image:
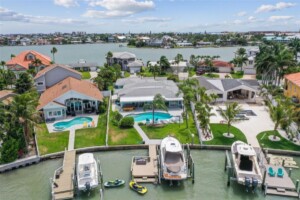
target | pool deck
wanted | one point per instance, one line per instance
(51, 128)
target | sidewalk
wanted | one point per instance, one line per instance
(71, 139)
(144, 136)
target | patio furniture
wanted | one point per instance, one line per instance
(271, 172)
(147, 121)
(128, 108)
(280, 172)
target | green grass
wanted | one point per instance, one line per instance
(89, 137)
(122, 136)
(177, 130)
(86, 75)
(212, 75)
(126, 74)
(237, 75)
(284, 144)
(51, 142)
(219, 139)
(192, 73)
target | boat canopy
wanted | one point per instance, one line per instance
(244, 149)
(173, 146)
(87, 158)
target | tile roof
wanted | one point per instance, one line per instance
(295, 78)
(218, 63)
(70, 83)
(21, 60)
(6, 93)
(47, 69)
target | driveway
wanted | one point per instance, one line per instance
(252, 127)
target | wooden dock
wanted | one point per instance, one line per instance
(145, 168)
(63, 180)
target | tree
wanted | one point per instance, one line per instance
(230, 113)
(239, 61)
(157, 103)
(36, 63)
(9, 150)
(2, 64)
(241, 52)
(164, 63)
(154, 69)
(53, 51)
(24, 83)
(295, 46)
(178, 59)
(109, 55)
(12, 56)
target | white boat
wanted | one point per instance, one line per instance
(245, 163)
(87, 172)
(173, 163)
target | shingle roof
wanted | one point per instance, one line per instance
(123, 55)
(135, 63)
(295, 78)
(203, 82)
(70, 83)
(21, 60)
(47, 69)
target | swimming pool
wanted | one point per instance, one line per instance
(148, 115)
(75, 121)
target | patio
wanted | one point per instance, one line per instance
(52, 129)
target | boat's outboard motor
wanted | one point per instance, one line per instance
(87, 186)
(247, 183)
(254, 184)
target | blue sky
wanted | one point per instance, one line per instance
(110, 16)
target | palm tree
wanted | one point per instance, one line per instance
(154, 69)
(295, 46)
(109, 55)
(2, 64)
(36, 62)
(53, 51)
(241, 51)
(177, 59)
(12, 56)
(239, 61)
(204, 115)
(229, 114)
(157, 103)
(164, 63)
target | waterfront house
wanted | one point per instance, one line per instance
(82, 65)
(70, 96)
(135, 66)
(52, 75)
(178, 67)
(218, 65)
(292, 86)
(122, 58)
(24, 61)
(136, 92)
(230, 89)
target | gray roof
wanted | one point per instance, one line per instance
(123, 55)
(145, 87)
(92, 64)
(208, 85)
(136, 63)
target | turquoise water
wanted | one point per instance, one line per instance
(75, 121)
(149, 115)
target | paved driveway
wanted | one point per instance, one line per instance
(252, 127)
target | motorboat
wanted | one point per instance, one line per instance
(138, 188)
(173, 162)
(87, 172)
(245, 163)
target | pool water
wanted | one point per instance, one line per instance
(75, 121)
(149, 115)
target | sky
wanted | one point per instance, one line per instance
(143, 16)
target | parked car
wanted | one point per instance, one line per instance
(200, 72)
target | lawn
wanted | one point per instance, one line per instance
(212, 75)
(85, 75)
(89, 137)
(177, 130)
(51, 142)
(219, 139)
(126, 74)
(284, 144)
(121, 136)
(237, 75)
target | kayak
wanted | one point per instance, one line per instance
(115, 183)
(138, 188)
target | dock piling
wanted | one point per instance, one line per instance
(290, 172)
(264, 180)
(297, 185)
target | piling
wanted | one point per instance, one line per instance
(290, 172)
(297, 185)
(193, 177)
(266, 189)
(264, 180)
(228, 176)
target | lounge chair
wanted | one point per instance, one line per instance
(280, 172)
(271, 172)
(147, 121)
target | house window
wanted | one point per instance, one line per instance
(250, 62)
(50, 114)
(30, 57)
(54, 113)
(40, 83)
(220, 95)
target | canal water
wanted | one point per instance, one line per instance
(67, 54)
(32, 183)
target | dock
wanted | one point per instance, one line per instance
(63, 180)
(144, 169)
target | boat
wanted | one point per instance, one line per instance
(87, 172)
(138, 188)
(173, 162)
(245, 163)
(115, 183)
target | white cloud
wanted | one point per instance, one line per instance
(66, 3)
(277, 18)
(241, 14)
(119, 8)
(237, 21)
(146, 19)
(9, 15)
(278, 6)
(251, 18)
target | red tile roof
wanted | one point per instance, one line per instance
(218, 63)
(6, 93)
(47, 69)
(295, 78)
(21, 60)
(70, 83)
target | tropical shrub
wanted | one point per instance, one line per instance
(127, 122)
